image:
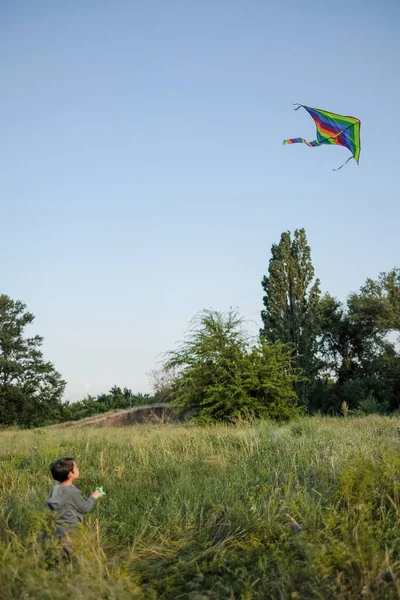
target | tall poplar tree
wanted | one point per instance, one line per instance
(291, 302)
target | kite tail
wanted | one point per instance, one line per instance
(345, 163)
(302, 141)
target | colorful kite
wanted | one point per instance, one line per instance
(333, 129)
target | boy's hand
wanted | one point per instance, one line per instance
(96, 494)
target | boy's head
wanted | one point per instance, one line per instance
(64, 470)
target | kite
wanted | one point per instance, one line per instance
(333, 129)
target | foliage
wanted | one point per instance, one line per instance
(355, 347)
(313, 352)
(369, 406)
(343, 349)
(221, 376)
(291, 300)
(30, 388)
(379, 302)
(93, 405)
(307, 509)
(163, 384)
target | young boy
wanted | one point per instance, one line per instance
(65, 499)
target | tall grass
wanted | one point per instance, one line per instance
(305, 510)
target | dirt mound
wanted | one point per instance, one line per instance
(150, 414)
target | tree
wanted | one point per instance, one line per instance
(115, 399)
(291, 300)
(356, 350)
(221, 376)
(30, 388)
(379, 302)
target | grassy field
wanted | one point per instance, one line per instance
(304, 510)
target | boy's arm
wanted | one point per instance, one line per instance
(83, 506)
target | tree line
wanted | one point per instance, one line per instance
(313, 353)
(347, 350)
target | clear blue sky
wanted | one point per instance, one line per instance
(143, 175)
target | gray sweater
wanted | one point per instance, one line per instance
(67, 501)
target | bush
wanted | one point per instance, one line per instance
(222, 376)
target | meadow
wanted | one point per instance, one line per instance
(308, 509)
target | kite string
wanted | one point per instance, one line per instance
(338, 169)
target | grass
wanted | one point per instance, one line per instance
(304, 510)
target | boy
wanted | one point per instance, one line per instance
(65, 499)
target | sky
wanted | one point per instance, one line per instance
(143, 175)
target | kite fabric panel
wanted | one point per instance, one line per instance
(333, 129)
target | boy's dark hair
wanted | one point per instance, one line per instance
(61, 467)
